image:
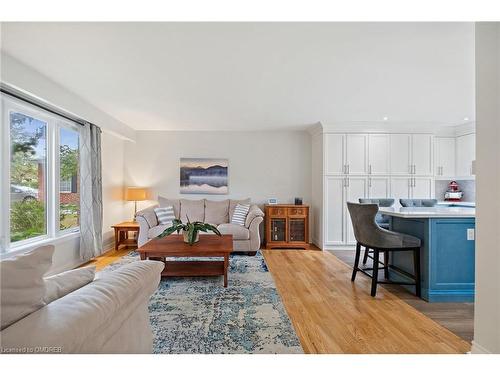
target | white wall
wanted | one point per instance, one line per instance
(66, 254)
(261, 164)
(113, 180)
(487, 300)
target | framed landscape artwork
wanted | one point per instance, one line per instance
(203, 176)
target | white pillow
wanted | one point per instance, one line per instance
(59, 285)
(22, 288)
(240, 214)
(165, 215)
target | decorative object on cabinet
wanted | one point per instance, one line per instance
(298, 201)
(272, 201)
(203, 176)
(287, 226)
(453, 193)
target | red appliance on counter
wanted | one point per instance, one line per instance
(453, 193)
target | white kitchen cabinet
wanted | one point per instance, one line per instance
(421, 150)
(378, 187)
(378, 154)
(334, 210)
(421, 188)
(356, 159)
(334, 154)
(400, 154)
(356, 187)
(466, 153)
(444, 157)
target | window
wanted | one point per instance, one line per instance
(40, 175)
(28, 187)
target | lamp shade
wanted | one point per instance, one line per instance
(135, 194)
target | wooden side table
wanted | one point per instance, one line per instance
(122, 234)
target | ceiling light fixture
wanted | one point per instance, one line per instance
(385, 118)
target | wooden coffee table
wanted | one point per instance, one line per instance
(174, 246)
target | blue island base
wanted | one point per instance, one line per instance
(447, 257)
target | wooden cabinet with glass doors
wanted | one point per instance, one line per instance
(287, 226)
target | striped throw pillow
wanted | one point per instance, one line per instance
(240, 214)
(165, 215)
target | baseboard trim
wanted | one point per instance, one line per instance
(478, 349)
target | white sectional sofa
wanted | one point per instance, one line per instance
(108, 314)
(218, 213)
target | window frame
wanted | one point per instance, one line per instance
(52, 189)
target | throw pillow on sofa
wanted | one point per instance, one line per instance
(240, 214)
(165, 215)
(59, 285)
(22, 286)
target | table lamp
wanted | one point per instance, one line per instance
(135, 194)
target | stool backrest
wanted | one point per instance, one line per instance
(418, 202)
(382, 202)
(363, 221)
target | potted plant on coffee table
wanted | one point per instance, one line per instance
(190, 230)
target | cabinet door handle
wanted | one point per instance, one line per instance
(347, 170)
(369, 182)
(344, 169)
(410, 167)
(369, 169)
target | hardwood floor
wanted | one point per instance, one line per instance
(332, 315)
(457, 317)
(108, 257)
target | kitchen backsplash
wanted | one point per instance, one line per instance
(468, 187)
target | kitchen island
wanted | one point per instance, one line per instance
(447, 253)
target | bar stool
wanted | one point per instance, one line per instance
(372, 236)
(418, 202)
(382, 221)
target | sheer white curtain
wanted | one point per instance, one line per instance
(90, 192)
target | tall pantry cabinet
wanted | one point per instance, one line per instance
(363, 165)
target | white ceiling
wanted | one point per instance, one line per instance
(249, 76)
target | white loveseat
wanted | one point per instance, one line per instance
(218, 213)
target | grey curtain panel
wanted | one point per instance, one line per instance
(90, 192)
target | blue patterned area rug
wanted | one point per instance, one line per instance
(199, 315)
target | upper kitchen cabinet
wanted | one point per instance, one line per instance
(466, 153)
(421, 147)
(400, 154)
(356, 154)
(378, 154)
(334, 154)
(411, 154)
(444, 157)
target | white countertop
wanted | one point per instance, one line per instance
(457, 203)
(429, 212)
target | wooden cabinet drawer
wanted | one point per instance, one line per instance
(299, 211)
(277, 211)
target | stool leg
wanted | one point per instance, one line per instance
(365, 257)
(416, 261)
(375, 272)
(386, 265)
(356, 261)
